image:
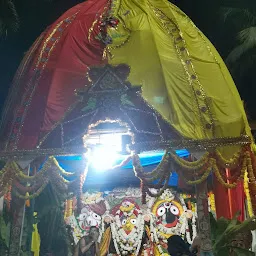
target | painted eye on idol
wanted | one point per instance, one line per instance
(123, 221)
(96, 216)
(161, 211)
(174, 210)
(133, 221)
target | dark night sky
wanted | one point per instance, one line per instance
(36, 15)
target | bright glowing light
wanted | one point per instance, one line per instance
(103, 158)
(113, 140)
(105, 148)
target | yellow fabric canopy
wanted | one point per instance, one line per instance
(182, 75)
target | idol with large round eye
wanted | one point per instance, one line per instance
(133, 221)
(123, 222)
(96, 216)
(161, 211)
(174, 210)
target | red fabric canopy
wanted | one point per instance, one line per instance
(54, 67)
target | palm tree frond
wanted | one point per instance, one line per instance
(246, 63)
(245, 16)
(235, 54)
(9, 20)
(250, 15)
(228, 12)
(247, 38)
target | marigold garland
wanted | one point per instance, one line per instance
(229, 163)
(203, 178)
(221, 180)
(195, 172)
(195, 165)
(212, 201)
(247, 194)
(51, 172)
(31, 196)
(68, 208)
(61, 170)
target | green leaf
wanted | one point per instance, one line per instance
(227, 231)
(219, 235)
(247, 225)
(242, 252)
(214, 227)
(224, 251)
(233, 222)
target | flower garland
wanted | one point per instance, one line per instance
(232, 163)
(68, 208)
(12, 175)
(127, 243)
(48, 166)
(162, 172)
(212, 202)
(155, 236)
(247, 193)
(220, 179)
(196, 172)
(189, 238)
(182, 228)
(30, 196)
(252, 180)
(192, 166)
(155, 174)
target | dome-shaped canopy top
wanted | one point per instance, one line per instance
(183, 78)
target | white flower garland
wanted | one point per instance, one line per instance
(154, 235)
(181, 229)
(127, 243)
(185, 227)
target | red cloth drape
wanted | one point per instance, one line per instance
(59, 66)
(221, 199)
(229, 201)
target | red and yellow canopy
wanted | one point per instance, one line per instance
(182, 75)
